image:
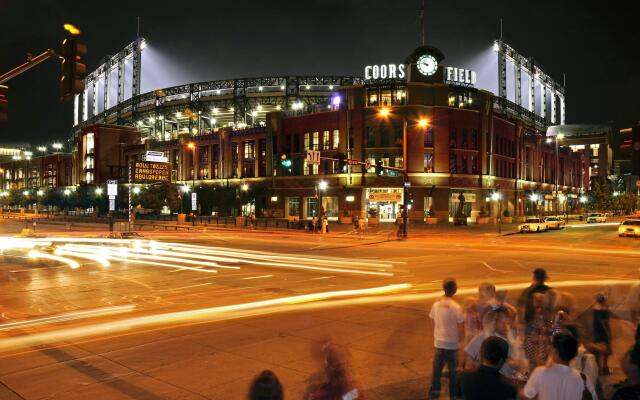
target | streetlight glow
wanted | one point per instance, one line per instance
(191, 145)
(495, 196)
(136, 190)
(423, 122)
(244, 187)
(25, 193)
(98, 191)
(323, 185)
(560, 136)
(185, 189)
(42, 148)
(583, 199)
(57, 146)
(549, 140)
(384, 112)
(534, 197)
(66, 192)
(40, 192)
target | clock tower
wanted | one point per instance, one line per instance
(424, 65)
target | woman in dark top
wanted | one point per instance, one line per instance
(602, 332)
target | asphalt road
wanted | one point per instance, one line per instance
(164, 321)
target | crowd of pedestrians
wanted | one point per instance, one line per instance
(489, 353)
(492, 350)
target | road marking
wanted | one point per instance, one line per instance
(256, 277)
(322, 277)
(494, 269)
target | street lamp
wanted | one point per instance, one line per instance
(40, 192)
(98, 191)
(57, 146)
(42, 148)
(66, 192)
(135, 190)
(384, 112)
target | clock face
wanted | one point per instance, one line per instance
(427, 65)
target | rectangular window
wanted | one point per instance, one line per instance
(465, 164)
(336, 138)
(294, 206)
(312, 207)
(215, 158)
(310, 169)
(428, 137)
(384, 136)
(453, 167)
(203, 155)
(474, 139)
(398, 135)
(453, 138)
(474, 164)
(428, 162)
(385, 97)
(325, 140)
(372, 97)
(249, 159)
(307, 143)
(399, 162)
(399, 97)
(316, 141)
(464, 138)
(371, 137)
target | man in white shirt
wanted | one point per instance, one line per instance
(557, 380)
(448, 318)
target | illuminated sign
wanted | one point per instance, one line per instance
(155, 156)
(147, 171)
(384, 71)
(460, 76)
(377, 197)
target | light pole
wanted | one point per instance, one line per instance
(384, 112)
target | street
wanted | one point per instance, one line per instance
(190, 315)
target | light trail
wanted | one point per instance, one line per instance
(192, 257)
(71, 316)
(38, 254)
(97, 258)
(198, 315)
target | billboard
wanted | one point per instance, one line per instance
(149, 171)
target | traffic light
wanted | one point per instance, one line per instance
(379, 167)
(73, 70)
(4, 103)
(342, 163)
(284, 161)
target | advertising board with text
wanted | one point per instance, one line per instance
(150, 172)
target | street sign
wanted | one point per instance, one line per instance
(194, 201)
(112, 204)
(313, 157)
(112, 187)
(155, 156)
(353, 162)
(367, 164)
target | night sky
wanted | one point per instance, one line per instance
(593, 42)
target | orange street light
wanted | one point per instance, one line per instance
(71, 29)
(423, 122)
(191, 145)
(384, 112)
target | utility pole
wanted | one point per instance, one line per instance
(405, 181)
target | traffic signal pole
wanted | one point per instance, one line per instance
(31, 62)
(405, 180)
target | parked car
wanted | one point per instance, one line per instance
(596, 217)
(630, 227)
(555, 222)
(533, 225)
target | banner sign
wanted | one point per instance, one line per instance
(146, 171)
(194, 201)
(378, 197)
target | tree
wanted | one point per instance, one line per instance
(155, 197)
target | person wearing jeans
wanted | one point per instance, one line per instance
(448, 319)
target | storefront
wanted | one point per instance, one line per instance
(384, 202)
